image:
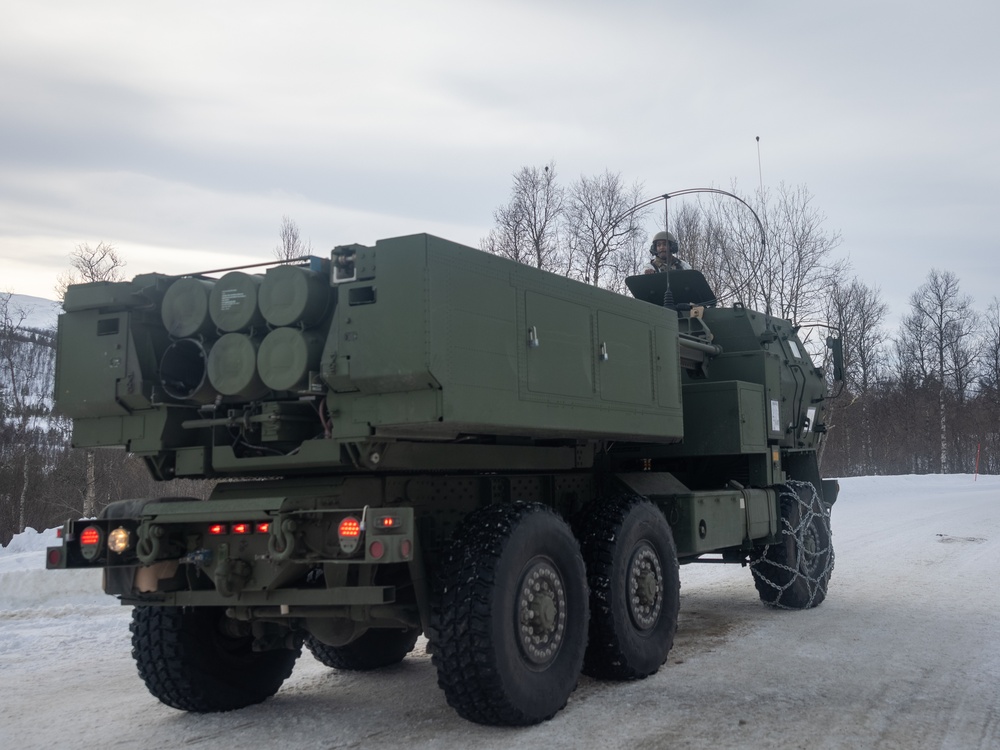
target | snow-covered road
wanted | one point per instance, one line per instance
(904, 653)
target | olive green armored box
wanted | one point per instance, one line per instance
(416, 339)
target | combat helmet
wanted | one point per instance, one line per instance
(672, 244)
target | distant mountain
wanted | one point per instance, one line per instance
(41, 313)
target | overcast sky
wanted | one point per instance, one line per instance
(182, 132)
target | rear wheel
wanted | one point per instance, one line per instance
(373, 650)
(510, 616)
(795, 572)
(634, 584)
(200, 660)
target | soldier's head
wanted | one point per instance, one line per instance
(664, 245)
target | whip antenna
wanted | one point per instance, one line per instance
(760, 173)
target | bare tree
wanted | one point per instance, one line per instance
(692, 230)
(16, 416)
(790, 276)
(987, 398)
(935, 346)
(603, 232)
(26, 370)
(290, 244)
(858, 313)
(527, 226)
(101, 263)
(990, 348)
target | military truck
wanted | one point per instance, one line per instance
(418, 437)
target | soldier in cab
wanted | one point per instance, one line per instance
(664, 250)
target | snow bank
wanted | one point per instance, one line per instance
(26, 584)
(29, 540)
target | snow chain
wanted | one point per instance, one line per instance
(805, 545)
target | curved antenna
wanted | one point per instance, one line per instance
(665, 197)
(690, 191)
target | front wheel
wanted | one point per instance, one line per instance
(510, 616)
(794, 573)
(198, 659)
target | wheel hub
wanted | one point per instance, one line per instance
(811, 553)
(645, 587)
(541, 612)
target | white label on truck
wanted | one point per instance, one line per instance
(231, 298)
(775, 416)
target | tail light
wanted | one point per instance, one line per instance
(90, 542)
(349, 532)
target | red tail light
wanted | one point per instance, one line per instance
(242, 528)
(349, 531)
(90, 536)
(90, 543)
(217, 529)
(263, 528)
(349, 528)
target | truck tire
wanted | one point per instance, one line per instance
(373, 650)
(189, 661)
(509, 616)
(795, 572)
(634, 581)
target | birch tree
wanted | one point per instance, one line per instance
(26, 372)
(290, 243)
(527, 226)
(936, 346)
(603, 232)
(791, 274)
(858, 313)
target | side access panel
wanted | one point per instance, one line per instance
(722, 418)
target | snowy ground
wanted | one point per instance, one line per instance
(904, 653)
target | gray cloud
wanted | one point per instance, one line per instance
(187, 128)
